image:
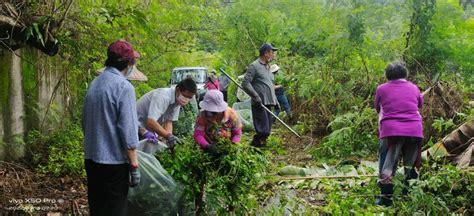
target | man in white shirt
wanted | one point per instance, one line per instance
(159, 108)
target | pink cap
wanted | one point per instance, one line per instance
(122, 49)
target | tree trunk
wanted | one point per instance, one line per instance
(5, 61)
(49, 83)
(15, 143)
(2, 145)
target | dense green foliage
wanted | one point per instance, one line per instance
(226, 180)
(353, 134)
(59, 152)
(440, 190)
(332, 53)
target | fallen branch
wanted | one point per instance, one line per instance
(325, 177)
(10, 21)
(9, 164)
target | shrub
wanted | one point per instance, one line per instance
(187, 117)
(440, 190)
(353, 134)
(226, 180)
(59, 152)
(141, 89)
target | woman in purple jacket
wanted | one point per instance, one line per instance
(400, 128)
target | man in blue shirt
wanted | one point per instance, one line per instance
(110, 126)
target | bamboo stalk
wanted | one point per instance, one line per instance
(325, 177)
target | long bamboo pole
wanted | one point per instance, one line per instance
(264, 107)
(325, 177)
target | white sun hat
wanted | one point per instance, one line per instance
(274, 68)
(213, 101)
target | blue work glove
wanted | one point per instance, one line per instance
(150, 137)
(134, 177)
(172, 141)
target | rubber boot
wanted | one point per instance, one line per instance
(256, 143)
(385, 198)
(264, 142)
(259, 141)
(411, 174)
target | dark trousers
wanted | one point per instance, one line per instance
(262, 122)
(225, 95)
(391, 150)
(107, 188)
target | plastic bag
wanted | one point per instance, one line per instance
(157, 193)
(246, 119)
(241, 95)
(242, 105)
(245, 114)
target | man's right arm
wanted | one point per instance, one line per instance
(156, 127)
(157, 107)
(247, 82)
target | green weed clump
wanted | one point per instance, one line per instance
(354, 134)
(59, 152)
(216, 183)
(440, 190)
(187, 117)
(351, 197)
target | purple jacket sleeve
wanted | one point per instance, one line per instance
(236, 135)
(200, 139)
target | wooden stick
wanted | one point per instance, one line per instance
(426, 91)
(324, 177)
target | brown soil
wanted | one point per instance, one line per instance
(297, 149)
(25, 192)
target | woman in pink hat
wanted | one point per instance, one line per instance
(216, 120)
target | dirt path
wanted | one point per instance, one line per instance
(282, 197)
(297, 149)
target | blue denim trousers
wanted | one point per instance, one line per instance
(284, 104)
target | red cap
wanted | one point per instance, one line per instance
(122, 49)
